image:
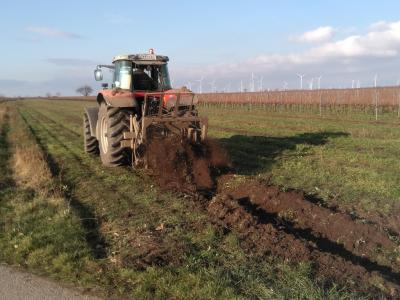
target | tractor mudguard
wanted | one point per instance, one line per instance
(92, 113)
(117, 98)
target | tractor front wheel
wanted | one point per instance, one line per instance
(112, 123)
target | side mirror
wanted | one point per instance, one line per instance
(98, 74)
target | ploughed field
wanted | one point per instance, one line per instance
(275, 205)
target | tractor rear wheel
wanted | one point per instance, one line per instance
(90, 143)
(112, 123)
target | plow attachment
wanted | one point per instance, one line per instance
(164, 115)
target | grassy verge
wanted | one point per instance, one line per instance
(68, 217)
(38, 228)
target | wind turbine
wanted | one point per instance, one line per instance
(285, 85)
(311, 83)
(301, 80)
(352, 84)
(260, 87)
(319, 81)
(200, 81)
(189, 85)
(241, 86)
(376, 79)
(252, 82)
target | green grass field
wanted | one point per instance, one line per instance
(99, 228)
(350, 158)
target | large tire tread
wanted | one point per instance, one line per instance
(118, 123)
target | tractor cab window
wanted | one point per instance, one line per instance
(164, 78)
(142, 78)
(151, 78)
(123, 74)
(128, 76)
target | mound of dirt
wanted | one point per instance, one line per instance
(185, 167)
(295, 228)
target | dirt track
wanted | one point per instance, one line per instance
(18, 285)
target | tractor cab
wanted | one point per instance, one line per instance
(142, 81)
(138, 72)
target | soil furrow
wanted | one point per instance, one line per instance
(295, 211)
(262, 234)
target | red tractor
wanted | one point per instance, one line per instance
(139, 105)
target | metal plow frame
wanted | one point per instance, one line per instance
(177, 122)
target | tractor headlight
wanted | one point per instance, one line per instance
(169, 101)
(185, 99)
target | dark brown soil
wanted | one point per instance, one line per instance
(289, 225)
(183, 166)
(389, 223)
(302, 212)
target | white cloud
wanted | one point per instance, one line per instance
(52, 32)
(381, 42)
(379, 26)
(319, 35)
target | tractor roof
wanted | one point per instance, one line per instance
(143, 59)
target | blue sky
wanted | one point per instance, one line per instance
(54, 46)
